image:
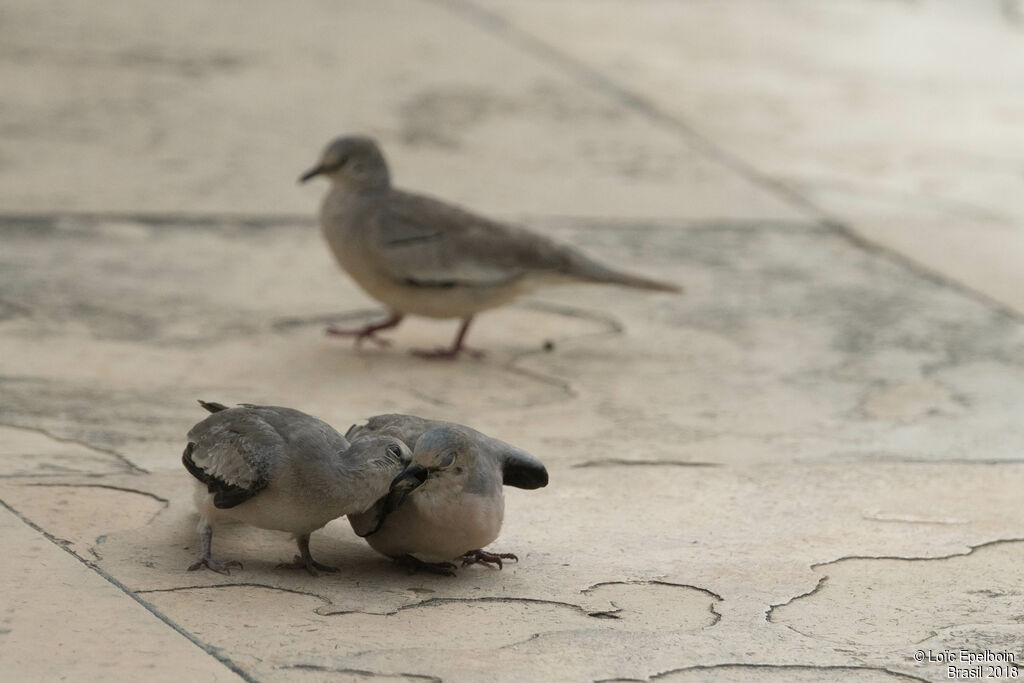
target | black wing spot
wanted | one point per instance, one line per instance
(225, 495)
(416, 239)
(447, 284)
(524, 475)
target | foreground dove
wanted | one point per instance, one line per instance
(422, 256)
(278, 468)
(448, 502)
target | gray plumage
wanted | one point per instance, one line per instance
(422, 256)
(459, 506)
(279, 468)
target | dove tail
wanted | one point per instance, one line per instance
(212, 407)
(592, 271)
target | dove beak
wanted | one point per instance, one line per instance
(311, 173)
(413, 471)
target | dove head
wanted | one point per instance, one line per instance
(353, 161)
(444, 455)
(386, 451)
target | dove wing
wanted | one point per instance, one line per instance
(424, 242)
(233, 452)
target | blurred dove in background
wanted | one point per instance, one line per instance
(278, 468)
(422, 256)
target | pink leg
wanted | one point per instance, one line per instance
(205, 559)
(455, 349)
(368, 331)
(305, 560)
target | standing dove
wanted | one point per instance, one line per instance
(278, 468)
(448, 502)
(422, 256)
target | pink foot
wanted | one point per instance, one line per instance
(214, 565)
(484, 557)
(367, 331)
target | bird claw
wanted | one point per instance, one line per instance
(484, 557)
(414, 564)
(309, 565)
(368, 331)
(213, 565)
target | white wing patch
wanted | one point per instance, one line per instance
(235, 446)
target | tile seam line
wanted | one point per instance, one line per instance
(591, 77)
(580, 71)
(208, 649)
(214, 218)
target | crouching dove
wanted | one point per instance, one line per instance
(448, 502)
(278, 468)
(422, 256)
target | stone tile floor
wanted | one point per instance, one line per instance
(806, 468)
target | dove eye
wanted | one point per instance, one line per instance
(448, 459)
(394, 450)
(331, 166)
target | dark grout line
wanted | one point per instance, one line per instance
(579, 70)
(121, 458)
(936, 277)
(209, 649)
(303, 221)
(497, 25)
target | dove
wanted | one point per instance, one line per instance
(279, 468)
(448, 503)
(422, 256)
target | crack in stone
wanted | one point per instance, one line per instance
(550, 380)
(434, 602)
(817, 587)
(516, 644)
(360, 672)
(621, 462)
(789, 667)
(641, 582)
(124, 489)
(243, 584)
(290, 323)
(287, 324)
(214, 652)
(652, 582)
(111, 487)
(971, 550)
(824, 579)
(132, 467)
(611, 324)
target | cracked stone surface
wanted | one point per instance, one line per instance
(808, 468)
